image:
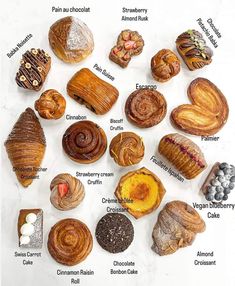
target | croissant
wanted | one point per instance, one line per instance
(67, 192)
(26, 146)
(176, 227)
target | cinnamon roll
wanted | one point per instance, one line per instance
(69, 241)
(67, 192)
(84, 142)
(127, 149)
(145, 107)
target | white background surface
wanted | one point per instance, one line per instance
(167, 19)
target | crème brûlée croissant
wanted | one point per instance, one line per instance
(26, 146)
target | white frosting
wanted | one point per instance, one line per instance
(31, 218)
(24, 239)
(27, 229)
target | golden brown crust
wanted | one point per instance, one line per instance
(69, 241)
(164, 65)
(71, 40)
(140, 191)
(26, 146)
(183, 153)
(51, 104)
(208, 112)
(176, 227)
(88, 89)
(127, 149)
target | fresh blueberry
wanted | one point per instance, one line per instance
(211, 189)
(232, 179)
(215, 182)
(227, 191)
(225, 197)
(226, 171)
(219, 189)
(209, 197)
(221, 179)
(223, 165)
(220, 173)
(225, 184)
(227, 177)
(231, 186)
(219, 196)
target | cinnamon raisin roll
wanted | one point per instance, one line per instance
(127, 149)
(69, 241)
(146, 107)
(84, 142)
(67, 192)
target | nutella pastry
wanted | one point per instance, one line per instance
(184, 155)
(34, 67)
(84, 142)
(67, 192)
(129, 43)
(88, 89)
(114, 232)
(140, 192)
(145, 107)
(71, 40)
(219, 182)
(208, 112)
(164, 65)
(69, 241)
(51, 104)
(26, 146)
(177, 226)
(127, 149)
(193, 50)
(30, 228)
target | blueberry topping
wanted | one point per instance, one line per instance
(209, 197)
(231, 186)
(221, 179)
(226, 171)
(223, 165)
(219, 189)
(220, 173)
(219, 196)
(232, 179)
(215, 182)
(225, 197)
(225, 184)
(227, 191)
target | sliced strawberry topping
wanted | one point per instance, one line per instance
(63, 190)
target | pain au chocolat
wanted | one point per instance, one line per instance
(208, 112)
(183, 153)
(140, 192)
(71, 40)
(193, 49)
(88, 89)
(176, 227)
(26, 146)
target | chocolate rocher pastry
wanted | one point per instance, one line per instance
(208, 112)
(114, 232)
(183, 153)
(164, 65)
(193, 49)
(71, 40)
(145, 107)
(26, 146)
(140, 192)
(69, 241)
(127, 149)
(67, 192)
(30, 228)
(88, 89)
(176, 227)
(51, 104)
(84, 142)
(129, 43)
(34, 67)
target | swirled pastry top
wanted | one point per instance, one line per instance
(69, 241)
(145, 107)
(67, 192)
(71, 40)
(127, 148)
(84, 142)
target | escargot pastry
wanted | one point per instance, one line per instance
(71, 40)
(176, 227)
(140, 192)
(127, 149)
(67, 192)
(84, 142)
(88, 89)
(164, 65)
(129, 43)
(145, 107)
(208, 112)
(34, 67)
(193, 49)
(69, 241)
(183, 153)
(51, 104)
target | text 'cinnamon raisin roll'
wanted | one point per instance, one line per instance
(145, 107)
(84, 142)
